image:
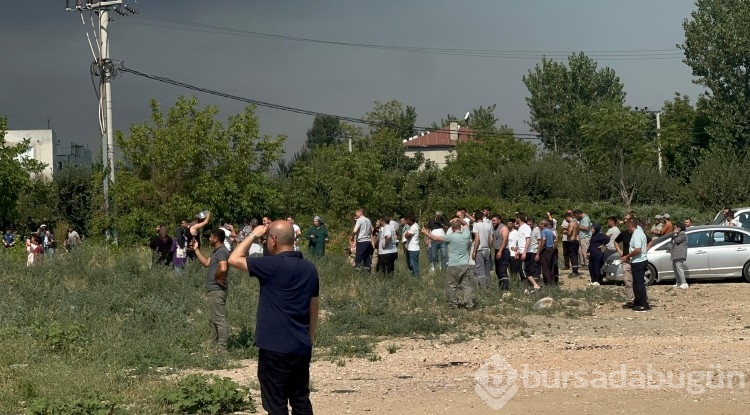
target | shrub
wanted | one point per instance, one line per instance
(204, 394)
(89, 404)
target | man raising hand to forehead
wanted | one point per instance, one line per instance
(287, 317)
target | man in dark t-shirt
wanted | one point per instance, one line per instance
(161, 245)
(287, 317)
(216, 286)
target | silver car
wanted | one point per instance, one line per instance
(714, 251)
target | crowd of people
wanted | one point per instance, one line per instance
(178, 250)
(41, 243)
(469, 246)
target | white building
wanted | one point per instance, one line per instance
(46, 148)
(436, 146)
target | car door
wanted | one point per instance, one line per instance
(729, 253)
(696, 263)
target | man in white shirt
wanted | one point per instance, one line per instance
(612, 232)
(362, 235)
(481, 252)
(297, 231)
(387, 250)
(527, 258)
(412, 237)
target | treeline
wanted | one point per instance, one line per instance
(596, 153)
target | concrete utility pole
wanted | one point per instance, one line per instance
(105, 69)
(658, 140)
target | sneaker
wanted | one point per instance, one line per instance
(641, 308)
(595, 284)
(432, 269)
(683, 286)
(628, 305)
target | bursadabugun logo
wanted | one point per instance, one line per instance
(496, 382)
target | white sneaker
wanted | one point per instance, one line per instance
(432, 269)
(595, 284)
(684, 286)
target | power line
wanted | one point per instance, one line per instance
(635, 54)
(121, 67)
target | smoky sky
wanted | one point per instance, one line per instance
(44, 73)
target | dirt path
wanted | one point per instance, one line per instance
(705, 328)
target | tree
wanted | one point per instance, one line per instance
(74, 192)
(615, 140)
(325, 131)
(15, 174)
(561, 97)
(683, 136)
(717, 48)
(186, 161)
(390, 123)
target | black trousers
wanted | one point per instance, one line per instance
(284, 379)
(501, 269)
(639, 283)
(363, 256)
(547, 256)
(387, 263)
(566, 257)
(573, 247)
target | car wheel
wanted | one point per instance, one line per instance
(651, 275)
(746, 271)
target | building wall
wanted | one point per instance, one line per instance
(439, 156)
(43, 147)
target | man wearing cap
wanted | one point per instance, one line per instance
(657, 227)
(668, 228)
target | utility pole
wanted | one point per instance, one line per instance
(105, 69)
(658, 140)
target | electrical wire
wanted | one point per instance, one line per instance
(637, 54)
(121, 67)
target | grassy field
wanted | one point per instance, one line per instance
(102, 324)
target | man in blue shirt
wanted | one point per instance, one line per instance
(638, 260)
(287, 317)
(546, 252)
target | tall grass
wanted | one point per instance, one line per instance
(104, 320)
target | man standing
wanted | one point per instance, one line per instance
(584, 237)
(216, 286)
(437, 226)
(547, 253)
(627, 272)
(612, 233)
(412, 238)
(73, 239)
(161, 246)
(386, 246)
(638, 260)
(362, 235)
(297, 231)
(459, 275)
(480, 252)
(526, 258)
(287, 317)
(565, 244)
(573, 243)
(502, 254)
(668, 228)
(657, 227)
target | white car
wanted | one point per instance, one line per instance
(741, 214)
(714, 252)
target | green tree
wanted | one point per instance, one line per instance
(683, 136)
(717, 48)
(390, 123)
(186, 160)
(15, 174)
(561, 98)
(615, 141)
(73, 190)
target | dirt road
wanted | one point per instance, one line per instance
(702, 333)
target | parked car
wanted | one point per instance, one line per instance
(714, 251)
(741, 214)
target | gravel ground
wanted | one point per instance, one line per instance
(705, 329)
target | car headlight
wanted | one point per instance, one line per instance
(616, 262)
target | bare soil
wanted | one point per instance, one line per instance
(704, 328)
